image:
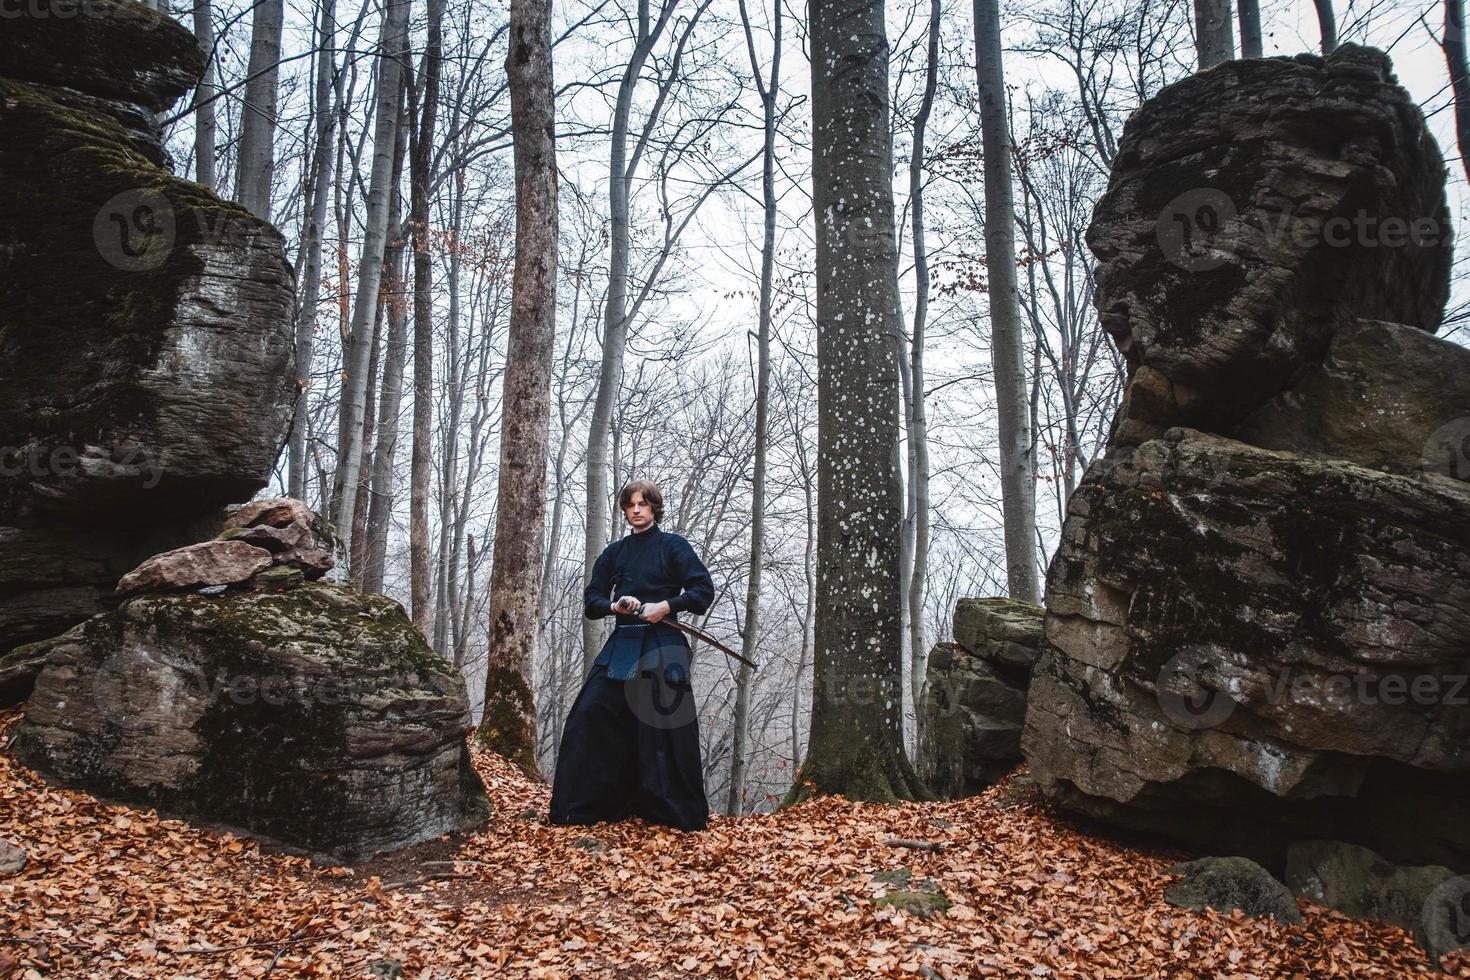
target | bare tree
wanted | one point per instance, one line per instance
(1327, 20)
(1454, 56)
(392, 49)
(767, 90)
(1214, 38)
(509, 721)
(857, 739)
(1250, 28)
(255, 171)
(204, 95)
(327, 103)
(1017, 469)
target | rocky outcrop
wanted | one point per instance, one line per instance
(313, 715)
(146, 375)
(1256, 616)
(1253, 210)
(975, 696)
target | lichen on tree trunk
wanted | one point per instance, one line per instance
(856, 746)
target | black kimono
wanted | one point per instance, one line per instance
(630, 746)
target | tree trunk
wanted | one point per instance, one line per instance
(255, 170)
(1213, 37)
(857, 739)
(918, 417)
(615, 327)
(734, 803)
(327, 101)
(1454, 56)
(204, 94)
(509, 722)
(1018, 486)
(1328, 21)
(423, 326)
(395, 353)
(392, 49)
(1250, 29)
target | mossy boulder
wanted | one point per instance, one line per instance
(317, 716)
(1245, 647)
(1228, 883)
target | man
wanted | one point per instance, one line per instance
(624, 750)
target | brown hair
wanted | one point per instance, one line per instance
(651, 496)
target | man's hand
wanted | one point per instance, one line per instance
(655, 611)
(626, 604)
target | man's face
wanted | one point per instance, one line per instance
(638, 512)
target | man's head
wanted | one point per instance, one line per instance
(641, 503)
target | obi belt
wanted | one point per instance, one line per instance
(634, 647)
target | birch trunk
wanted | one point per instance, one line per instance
(1018, 486)
(328, 100)
(392, 49)
(255, 170)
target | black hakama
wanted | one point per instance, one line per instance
(630, 746)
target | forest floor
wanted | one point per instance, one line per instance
(114, 892)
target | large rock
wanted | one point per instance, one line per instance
(1228, 883)
(975, 696)
(1253, 209)
(1243, 644)
(316, 716)
(1361, 883)
(1256, 616)
(146, 351)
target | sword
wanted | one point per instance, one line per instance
(700, 634)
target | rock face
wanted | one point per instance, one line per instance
(317, 716)
(146, 348)
(1254, 209)
(975, 701)
(1256, 616)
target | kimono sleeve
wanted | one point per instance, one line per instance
(699, 588)
(595, 600)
